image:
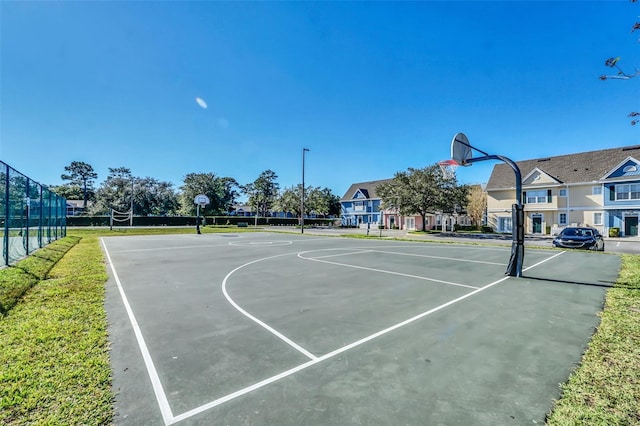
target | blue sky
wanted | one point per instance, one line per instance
(371, 88)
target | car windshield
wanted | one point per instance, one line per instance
(576, 232)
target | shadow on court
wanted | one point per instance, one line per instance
(306, 330)
(550, 280)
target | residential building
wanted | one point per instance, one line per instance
(597, 188)
(76, 207)
(361, 204)
(361, 207)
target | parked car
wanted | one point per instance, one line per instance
(579, 238)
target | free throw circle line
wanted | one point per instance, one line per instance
(256, 320)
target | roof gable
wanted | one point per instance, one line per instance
(360, 193)
(538, 177)
(363, 190)
(629, 167)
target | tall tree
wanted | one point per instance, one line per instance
(153, 197)
(322, 202)
(83, 175)
(476, 204)
(68, 191)
(422, 191)
(289, 200)
(221, 192)
(263, 192)
(319, 201)
(621, 74)
(116, 192)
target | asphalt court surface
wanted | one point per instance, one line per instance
(267, 328)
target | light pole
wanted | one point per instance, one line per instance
(302, 199)
(131, 214)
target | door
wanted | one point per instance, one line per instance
(537, 224)
(630, 226)
(410, 223)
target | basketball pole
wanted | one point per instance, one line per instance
(198, 219)
(514, 269)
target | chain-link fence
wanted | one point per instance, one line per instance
(31, 216)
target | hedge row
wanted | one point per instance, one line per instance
(191, 221)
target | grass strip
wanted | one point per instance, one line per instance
(17, 279)
(54, 364)
(605, 389)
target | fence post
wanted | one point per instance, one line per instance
(5, 243)
(27, 200)
(41, 219)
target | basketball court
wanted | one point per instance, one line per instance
(266, 328)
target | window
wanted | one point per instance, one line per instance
(541, 196)
(504, 224)
(562, 219)
(358, 206)
(596, 190)
(562, 192)
(628, 192)
(597, 218)
(438, 220)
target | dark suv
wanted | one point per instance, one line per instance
(579, 238)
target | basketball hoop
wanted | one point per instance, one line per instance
(448, 168)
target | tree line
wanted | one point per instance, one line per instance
(121, 190)
(412, 192)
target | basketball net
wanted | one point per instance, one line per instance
(448, 168)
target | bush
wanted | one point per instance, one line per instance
(614, 232)
(487, 229)
(457, 227)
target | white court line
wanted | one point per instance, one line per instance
(226, 244)
(343, 254)
(327, 356)
(256, 320)
(161, 397)
(542, 261)
(315, 259)
(440, 257)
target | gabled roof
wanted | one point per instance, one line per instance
(368, 189)
(364, 193)
(629, 167)
(582, 167)
(538, 177)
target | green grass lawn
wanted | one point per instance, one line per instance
(605, 389)
(54, 353)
